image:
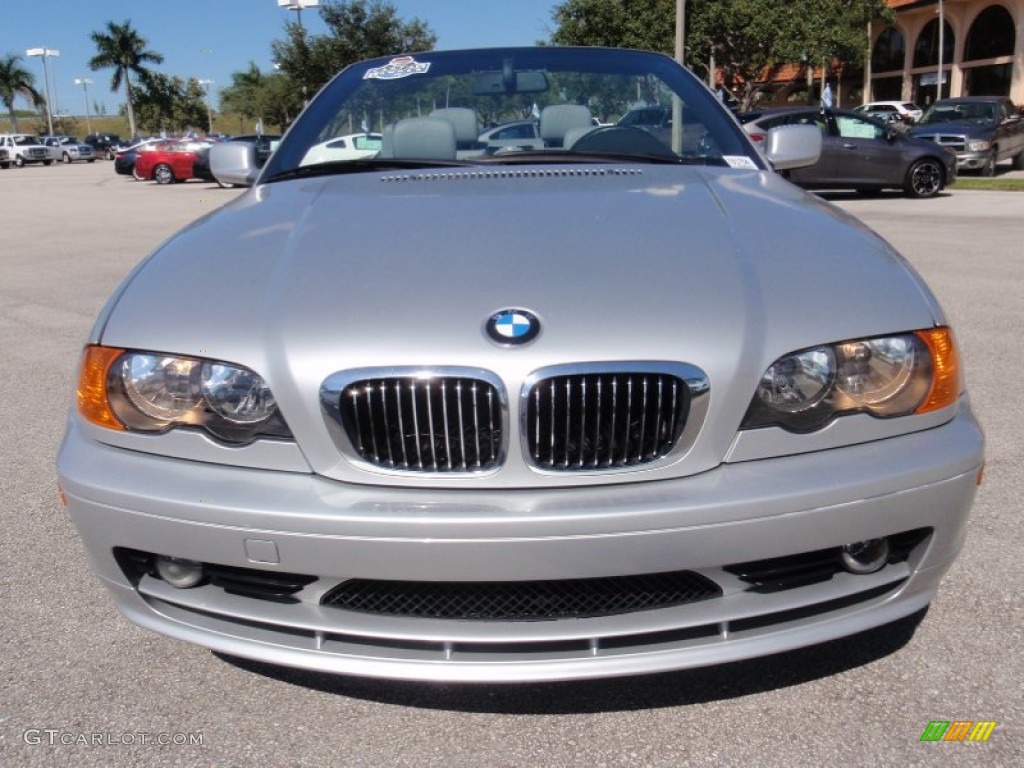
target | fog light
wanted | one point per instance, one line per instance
(179, 572)
(865, 556)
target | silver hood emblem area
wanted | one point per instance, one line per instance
(513, 327)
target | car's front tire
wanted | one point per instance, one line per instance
(47, 162)
(19, 161)
(924, 179)
(66, 158)
(1018, 161)
(163, 174)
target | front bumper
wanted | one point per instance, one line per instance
(736, 513)
(971, 161)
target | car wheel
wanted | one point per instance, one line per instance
(66, 157)
(924, 179)
(1018, 161)
(91, 160)
(19, 161)
(989, 168)
(136, 175)
(47, 162)
(224, 184)
(163, 174)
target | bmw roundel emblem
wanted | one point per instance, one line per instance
(513, 326)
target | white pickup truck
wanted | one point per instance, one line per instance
(24, 148)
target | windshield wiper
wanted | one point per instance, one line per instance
(362, 165)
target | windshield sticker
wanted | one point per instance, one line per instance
(740, 161)
(403, 66)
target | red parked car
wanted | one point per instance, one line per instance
(170, 163)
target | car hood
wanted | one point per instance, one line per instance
(959, 129)
(723, 269)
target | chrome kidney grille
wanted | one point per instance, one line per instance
(424, 422)
(589, 421)
(577, 418)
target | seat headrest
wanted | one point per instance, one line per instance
(557, 119)
(463, 120)
(424, 138)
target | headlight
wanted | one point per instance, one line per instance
(152, 392)
(884, 377)
(979, 146)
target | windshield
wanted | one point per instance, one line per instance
(966, 112)
(558, 104)
(24, 141)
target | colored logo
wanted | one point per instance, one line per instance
(397, 68)
(513, 326)
(958, 730)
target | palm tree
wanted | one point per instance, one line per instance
(124, 51)
(15, 81)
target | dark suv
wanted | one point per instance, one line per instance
(105, 144)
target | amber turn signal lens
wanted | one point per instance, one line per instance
(946, 381)
(92, 386)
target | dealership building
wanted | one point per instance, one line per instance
(981, 43)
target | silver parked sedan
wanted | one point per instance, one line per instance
(623, 403)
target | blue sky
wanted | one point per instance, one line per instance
(210, 39)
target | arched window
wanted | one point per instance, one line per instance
(889, 51)
(926, 52)
(991, 35)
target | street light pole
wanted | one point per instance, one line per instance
(677, 105)
(298, 6)
(45, 53)
(209, 107)
(680, 30)
(85, 82)
(942, 30)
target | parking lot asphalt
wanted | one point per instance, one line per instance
(83, 687)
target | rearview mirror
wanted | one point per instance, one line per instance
(516, 82)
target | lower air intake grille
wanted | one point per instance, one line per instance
(522, 601)
(604, 420)
(424, 423)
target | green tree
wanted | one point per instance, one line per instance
(746, 37)
(750, 37)
(242, 97)
(16, 81)
(359, 29)
(122, 49)
(170, 103)
(278, 103)
(645, 24)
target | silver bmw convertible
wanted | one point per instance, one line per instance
(618, 401)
